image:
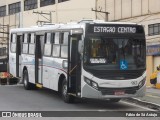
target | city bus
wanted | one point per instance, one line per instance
(88, 59)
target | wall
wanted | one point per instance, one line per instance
(149, 68)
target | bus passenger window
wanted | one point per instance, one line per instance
(56, 51)
(32, 44)
(47, 49)
(65, 38)
(64, 51)
(53, 38)
(13, 43)
(61, 38)
(25, 44)
(56, 38)
(48, 39)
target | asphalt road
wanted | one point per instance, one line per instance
(15, 98)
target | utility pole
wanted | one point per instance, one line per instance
(106, 13)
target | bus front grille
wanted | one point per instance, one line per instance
(111, 91)
(117, 75)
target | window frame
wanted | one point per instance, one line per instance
(14, 8)
(30, 4)
(152, 29)
(60, 1)
(47, 2)
(3, 11)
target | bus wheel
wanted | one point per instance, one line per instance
(114, 100)
(67, 98)
(26, 83)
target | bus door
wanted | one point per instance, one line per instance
(18, 55)
(38, 58)
(74, 65)
(15, 60)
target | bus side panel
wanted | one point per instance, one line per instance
(58, 70)
(28, 62)
(46, 72)
(52, 69)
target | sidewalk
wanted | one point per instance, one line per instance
(152, 95)
(151, 99)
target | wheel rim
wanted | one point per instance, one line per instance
(65, 90)
(25, 81)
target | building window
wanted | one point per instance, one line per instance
(46, 2)
(59, 1)
(2, 11)
(30, 4)
(14, 8)
(154, 29)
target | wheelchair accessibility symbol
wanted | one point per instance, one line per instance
(123, 65)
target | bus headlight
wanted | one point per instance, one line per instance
(91, 83)
(142, 82)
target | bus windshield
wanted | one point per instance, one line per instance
(106, 53)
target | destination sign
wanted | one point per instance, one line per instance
(114, 29)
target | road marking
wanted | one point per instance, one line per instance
(138, 106)
(149, 95)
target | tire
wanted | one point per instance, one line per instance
(66, 98)
(26, 83)
(114, 100)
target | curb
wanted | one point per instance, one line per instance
(150, 105)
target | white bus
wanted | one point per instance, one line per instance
(87, 59)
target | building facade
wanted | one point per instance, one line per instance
(25, 13)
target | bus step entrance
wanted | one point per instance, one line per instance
(72, 94)
(39, 85)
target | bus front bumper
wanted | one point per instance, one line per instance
(107, 93)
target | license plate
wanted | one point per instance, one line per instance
(119, 92)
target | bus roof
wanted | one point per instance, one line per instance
(71, 25)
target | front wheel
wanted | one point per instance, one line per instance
(26, 83)
(65, 96)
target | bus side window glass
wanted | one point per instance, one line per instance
(64, 51)
(32, 44)
(56, 46)
(25, 44)
(13, 43)
(56, 50)
(65, 37)
(64, 46)
(48, 45)
(56, 38)
(52, 38)
(1, 51)
(61, 38)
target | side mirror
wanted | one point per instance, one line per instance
(80, 46)
(65, 64)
